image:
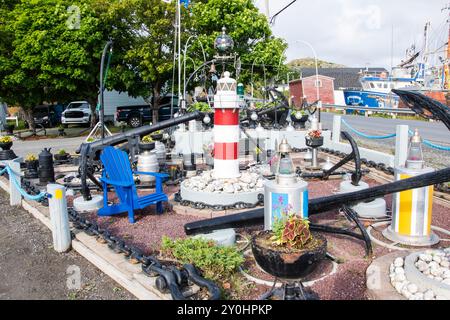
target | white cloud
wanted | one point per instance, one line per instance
(357, 32)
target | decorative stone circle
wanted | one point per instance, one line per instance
(249, 181)
(433, 265)
(205, 188)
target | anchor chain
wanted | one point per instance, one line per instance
(169, 279)
(218, 207)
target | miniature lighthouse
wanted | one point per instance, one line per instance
(412, 209)
(226, 129)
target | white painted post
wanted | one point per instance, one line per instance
(337, 129)
(401, 145)
(59, 217)
(15, 198)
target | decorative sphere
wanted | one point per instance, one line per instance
(254, 116)
(224, 42)
(207, 119)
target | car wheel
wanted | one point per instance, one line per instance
(135, 121)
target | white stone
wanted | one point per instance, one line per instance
(398, 262)
(400, 277)
(437, 259)
(426, 257)
(399, 270)
(391, 268)
(433, 265)
(446, 281)
(430, 276)
(399, 287)
(435, 271)
(446, 274)
(406, 293)
(426, 272)
(228, 188)
(428, 295)
(246, 178)
(445, 264)
(412, 288)
(422, 265)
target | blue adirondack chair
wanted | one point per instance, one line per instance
(117, 173)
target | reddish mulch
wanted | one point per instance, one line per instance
(347, 284)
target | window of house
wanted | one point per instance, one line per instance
(318, 83)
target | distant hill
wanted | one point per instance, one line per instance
(310, 63)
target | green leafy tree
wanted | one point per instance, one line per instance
(261, 54)
(146, 66)
(54, 52)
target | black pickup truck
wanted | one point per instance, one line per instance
(138, 115)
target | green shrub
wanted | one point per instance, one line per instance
(200, 106)
(217, 263)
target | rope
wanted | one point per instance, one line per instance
(24, 194)
(366, 135)
(432, 145)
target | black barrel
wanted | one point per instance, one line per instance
(46, 170)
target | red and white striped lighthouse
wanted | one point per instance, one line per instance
(226, 129)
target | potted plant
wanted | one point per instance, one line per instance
(61, 131)
(314, 138)
(157, 135)
(6, 142)
(147, 143)
(300, 117)
(32, 164)
(291, 250)
(62, 155)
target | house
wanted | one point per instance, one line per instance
(343, 78)
(306, 87)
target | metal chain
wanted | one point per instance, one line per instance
(218, 207)
(136, 256)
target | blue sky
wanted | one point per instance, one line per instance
(358, 32)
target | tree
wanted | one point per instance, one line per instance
(147, 65)
(257, 48)
(51, 56)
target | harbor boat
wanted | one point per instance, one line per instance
(377, 87)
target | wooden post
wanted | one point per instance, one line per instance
(59, 218)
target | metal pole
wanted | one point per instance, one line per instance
(102, 88)
(179, 51)
(317, 74)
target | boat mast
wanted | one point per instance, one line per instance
(447, 60)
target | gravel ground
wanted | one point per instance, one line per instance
(347, 284)
(31, 270)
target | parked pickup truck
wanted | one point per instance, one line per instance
(138, 115)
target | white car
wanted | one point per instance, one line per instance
(77, 112)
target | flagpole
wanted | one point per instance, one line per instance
(179, 54)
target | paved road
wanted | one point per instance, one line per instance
(22, 148)
(31, 270)
(433, 131)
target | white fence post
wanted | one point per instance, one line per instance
(337, 129)
(401, 145)
(15, 198)
(59, 217)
